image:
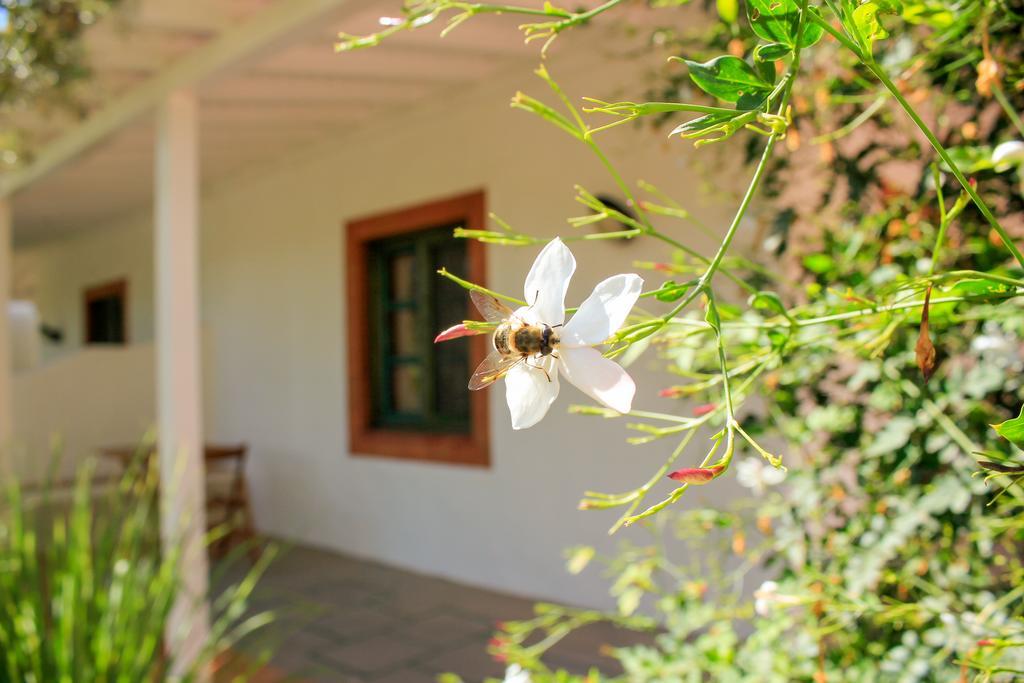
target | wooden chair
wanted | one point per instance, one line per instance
(227, 500)
(227, 493)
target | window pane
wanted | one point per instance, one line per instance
(106, 320)
(403, 276)
(451, 359)
(419, 385)
(407, 389)
(404, 333)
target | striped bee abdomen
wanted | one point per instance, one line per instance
(501, 339)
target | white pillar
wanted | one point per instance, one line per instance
(6, 359)
(179, 382)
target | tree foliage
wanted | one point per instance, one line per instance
(880, 322)
(41, 59)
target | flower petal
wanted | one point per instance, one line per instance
(529, 393)
(598, 377)
(604, 311)
(1010, 152)
(547, 283)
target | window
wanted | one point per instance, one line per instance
(106, 313)
(408, 396)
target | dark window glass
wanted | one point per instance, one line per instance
(417, 384)
(105, 318)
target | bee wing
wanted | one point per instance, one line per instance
(492, 369)
(490, 308)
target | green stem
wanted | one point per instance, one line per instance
(748, 196)
(879, 73)
(838, 35)
(861, 119)
(730, 413)
(741, 212)
(641, 492)
(586, 16)
(466, 284)
(755, 181)
(1011, 113)
(950, 428)
(836, 317)
(992, 277)
(512, 9)
(632, 109)
(645, 220)
(978, 201)
(941, 237)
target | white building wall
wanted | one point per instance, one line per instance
(272, 256)
(78, 403)
(55, 275)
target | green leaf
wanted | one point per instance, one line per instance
(728, 10)
(629, 600)
(812, 31)
(865, 18)
(934, 13)
(981, 288)
(773, 20)
(728, 78)
(893, 436)
(970, 159)
(701, 123)
(771, 51)
(1012, 430)
(777, 21)
(768, 301)
(712, 318)
(671, 291)
(766, 70)
(579, 558)
(818, 263)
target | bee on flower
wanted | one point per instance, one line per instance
(532, 345)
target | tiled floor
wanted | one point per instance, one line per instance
(343, 620)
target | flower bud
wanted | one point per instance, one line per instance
(704, 409)
(696, 475)
(456, 331)
(988, 76)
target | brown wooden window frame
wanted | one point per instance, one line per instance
(366, 439)
(118, 288)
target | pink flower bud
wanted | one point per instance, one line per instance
(696, 475)
(704, 409)
(456, 331)
(671, 392)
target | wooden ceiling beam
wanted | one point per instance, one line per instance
(267, 30)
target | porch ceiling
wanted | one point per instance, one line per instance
(292, 91)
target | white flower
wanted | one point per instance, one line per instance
(1010, 153)
(764, 597)
(756, 476)
(516, 674)
(530, 391)
(767, 598)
